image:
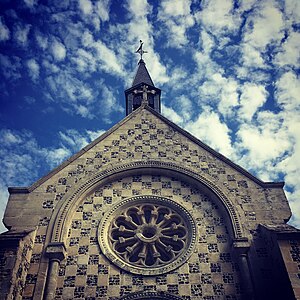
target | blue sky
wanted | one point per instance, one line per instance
(228, 70)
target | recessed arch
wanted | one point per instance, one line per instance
(64, 211)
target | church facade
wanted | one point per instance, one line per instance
(147, 211)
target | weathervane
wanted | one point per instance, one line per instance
(140, 49)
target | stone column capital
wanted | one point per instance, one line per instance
(56, 251)
(241, 245)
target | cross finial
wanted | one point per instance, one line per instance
(140, 49)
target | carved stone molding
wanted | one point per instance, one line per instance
(150, 295)
(56, 251)
(147, 235)
(65, 210)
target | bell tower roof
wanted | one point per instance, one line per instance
(142, 75)
(142, 92)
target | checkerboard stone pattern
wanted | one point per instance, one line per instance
(208, 274)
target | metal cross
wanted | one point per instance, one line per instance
(140, 49)
(145, 93)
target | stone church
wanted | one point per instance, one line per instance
(148, 211)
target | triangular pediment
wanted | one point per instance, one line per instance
(144, 135)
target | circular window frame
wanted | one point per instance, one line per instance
(150, 295)
(105, 228)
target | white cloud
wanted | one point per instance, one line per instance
(73, 95)
(292, 10)
(42, 40)
(86, 6)
(207, 41)
(50, 68)
(176, 16)
(102, 55)
(218, 17)
(222, 91)
(83, 111)
(34, 69)
(102, 9)
(75, 140)
(110, 102)
(10, 67)
(21, 34)
(176, 8)
(258, 34)
(290, 51)
(94, 134)
(258, 31)
(290, 165)
(30, 3)
(206, 67)
(178, 74)
(264, 144)
(94, 12)
(58, 50)
(246, 5)
(185, 107)
(252, 97)
(9, 138)
(87, 39)
(210, 129)
(69, 88)
(55, 156)
(4, 31)
(251, 57)
(288, 91)
(171, 114)
(109, 60)
(85, 61)
(140, 8)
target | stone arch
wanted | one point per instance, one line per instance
(150, 295)
(63, 213)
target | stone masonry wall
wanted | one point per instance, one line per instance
(142, 136)
(210, 272)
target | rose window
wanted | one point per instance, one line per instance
(147, 235)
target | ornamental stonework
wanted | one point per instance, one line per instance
(202, 267)
(145, 137)
(209, 272)
(147, 235)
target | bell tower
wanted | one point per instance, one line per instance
(142, 91)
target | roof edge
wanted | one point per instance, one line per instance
(20, 190)
(25, 190)
(141, 84)
(217, 154)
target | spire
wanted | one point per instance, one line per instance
(143, 91)
(142, 75)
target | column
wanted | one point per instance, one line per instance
(56, 253)
(241, 247)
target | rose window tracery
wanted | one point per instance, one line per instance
(147, 235)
